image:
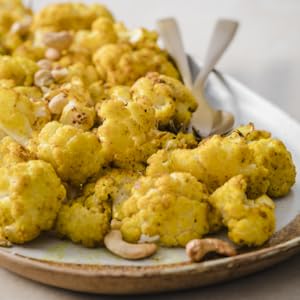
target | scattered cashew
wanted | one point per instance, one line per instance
(57, 103)
(114, 243)
(52, 54)
(59, 74)
(44, 64)
(59, 40)
(198, 248)
(21, 27)
(43, 78)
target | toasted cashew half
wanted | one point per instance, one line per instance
(59, 40)
(198, 248)
(114, 243)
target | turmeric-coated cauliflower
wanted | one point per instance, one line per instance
(86, 220)
(31, 195)
(249, 222)
(172, 101)
(172, 209)
(213, 162)
(121, 64)
(75, 155)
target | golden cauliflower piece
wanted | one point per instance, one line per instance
(12, 153)
(20, 117)
(127, 132)
(31, 197)
(69, 16)
(172, 208)
(20, 69)
(213, 162)
(121, 64)
(172, 101)
(86, 220)
(249, 222)
(75, 155)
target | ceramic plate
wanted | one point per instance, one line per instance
(65, 265)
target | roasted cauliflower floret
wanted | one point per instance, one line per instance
(69, 16)
(213, 162)
(172, 101)
(12, 153)
(127, 132)
(86, 220)
(31, 197)
(20, 117)
(75, 155)
(121, 64)
(249, 222)
(171, 208)
(19, 69)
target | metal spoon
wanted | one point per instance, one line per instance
(205, 120)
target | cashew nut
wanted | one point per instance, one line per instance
(52, 54)
(44, 64)
(198, 248)
(57, 103)
(43, 78)
(114, 243)
(59, 74)
(59, 40)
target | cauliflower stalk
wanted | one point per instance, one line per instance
(31, 196)
(172, 208)
(249, 222)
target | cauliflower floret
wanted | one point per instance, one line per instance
(86, 220)
(19, 117)
(173, 102)
(127, 132)
(273, 155)
(251, 134)
(213, 162)
(69, 16)
(121, 64)
(75, 155)
(31, 195)
(172, 208)
(249, 222)
(20, 69)
(79, 71)
(12, 153)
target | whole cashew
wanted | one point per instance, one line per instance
(114, 243)
(52, 54)
(58, 40)
(44, 64)
(198, 248)
(59, 74)
(43, 78)
(57, 103)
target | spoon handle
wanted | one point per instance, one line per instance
(170, 34)
(223, 34)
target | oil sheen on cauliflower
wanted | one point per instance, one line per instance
(31, 195)
(75, 155)
(213, 162)
(121, 64)
(172, 101)
(172, 208)
(86, 219)
(249, 222)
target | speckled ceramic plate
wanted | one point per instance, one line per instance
(62, 264)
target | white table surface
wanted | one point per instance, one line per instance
(266, 57)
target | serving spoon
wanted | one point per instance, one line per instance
(205, 120)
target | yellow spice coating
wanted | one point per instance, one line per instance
(75, 155)
(32, 195)
(86, 219)
(171, 208)
(121, 64)
(213, 162)
(172, 101)
(249, 222)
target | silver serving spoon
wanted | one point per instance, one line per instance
(205, 120)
